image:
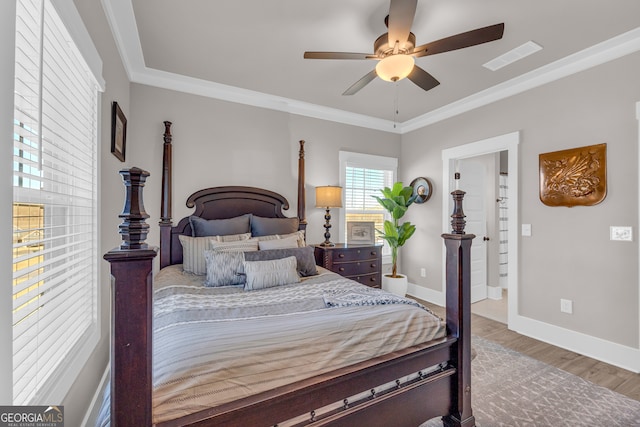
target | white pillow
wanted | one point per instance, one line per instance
(267, 274)
(239, 246)
(286, 243)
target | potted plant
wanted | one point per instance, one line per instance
(396, 201)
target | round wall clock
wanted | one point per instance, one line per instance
(422, 188)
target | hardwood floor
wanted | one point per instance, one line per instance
(603, 374)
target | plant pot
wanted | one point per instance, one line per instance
(395, 285)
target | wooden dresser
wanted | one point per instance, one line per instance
(362, 263)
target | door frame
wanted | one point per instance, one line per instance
(507, 142)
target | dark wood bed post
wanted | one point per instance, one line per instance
(165, 208)
(302, 200)
(458, 273)
(132, 310)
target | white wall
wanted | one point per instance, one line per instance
(569, 255)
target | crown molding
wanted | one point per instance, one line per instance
(121, 19)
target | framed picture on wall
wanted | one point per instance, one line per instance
(361, 232)
(118, 132)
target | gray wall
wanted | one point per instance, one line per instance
(222, 143)
(569, 254)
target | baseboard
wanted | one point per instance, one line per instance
(494, 292)
(94, 408)
(426, 294)
(596, 348)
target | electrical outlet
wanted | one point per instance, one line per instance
(566, 306)
(423, 272)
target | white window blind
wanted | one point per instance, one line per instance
(54, 202)
(362, 177)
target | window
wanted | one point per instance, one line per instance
(362, 176)
(55, 162)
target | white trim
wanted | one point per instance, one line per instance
(368, 161)
(426, 294)
(7, 72)
(494, 292)
(638, 118)
(508, 142)
(67, 11)
(596, 348)
(90, 417)
(122, 21)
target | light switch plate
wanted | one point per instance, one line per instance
(526, 230)
(621, 233)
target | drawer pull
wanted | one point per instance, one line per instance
(341, 269)
(374, 253)
(373, 279)
(340, 255)
(373, 265)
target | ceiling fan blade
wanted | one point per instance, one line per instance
(401, 13)
(423, 79)
(462, 40)
(338, 55)
(361, 83)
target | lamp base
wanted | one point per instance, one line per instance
(327, 226)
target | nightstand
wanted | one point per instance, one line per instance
(362, 263)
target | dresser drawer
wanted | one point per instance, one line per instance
(356, 267)
(352, 254)
(372, 280)
(362, 263)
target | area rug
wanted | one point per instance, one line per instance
(510, 389)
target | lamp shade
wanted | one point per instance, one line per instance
(328, 197)
(395, 67)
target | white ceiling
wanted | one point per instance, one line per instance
(252, 51)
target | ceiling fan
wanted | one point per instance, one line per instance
(396, 49)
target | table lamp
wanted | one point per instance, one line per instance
(328, 197)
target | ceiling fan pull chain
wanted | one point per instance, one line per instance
(395, 106)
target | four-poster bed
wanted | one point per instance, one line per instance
(430, 377)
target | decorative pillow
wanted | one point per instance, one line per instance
(220, 227)
(239, 246)
(193, 253)
(261, 226)
(229, 237)
(305, 259)
(193, 250)
(299, 235)
(224, 268)
(267, 274)
(289, 242)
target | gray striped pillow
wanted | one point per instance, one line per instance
(267, 274)
(224, 268)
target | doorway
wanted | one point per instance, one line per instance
(460, 156)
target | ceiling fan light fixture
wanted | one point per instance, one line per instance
(395, 67)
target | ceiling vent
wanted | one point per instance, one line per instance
(513, 55)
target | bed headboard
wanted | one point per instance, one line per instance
(219, 203)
